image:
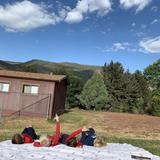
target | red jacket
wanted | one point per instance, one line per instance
(54, 139)
(27, 138)
(79, 144)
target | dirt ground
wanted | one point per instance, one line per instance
(127, 125)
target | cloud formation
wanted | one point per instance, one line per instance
(120, 46)
(151, 45)
(138, 4)
(155, 21)
(24, 16)
(77, 14)
(74, 17)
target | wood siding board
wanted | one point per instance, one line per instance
(16, 100)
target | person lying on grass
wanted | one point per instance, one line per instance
(52, 140)
(28, 135)
(88, 137)
(47, 141)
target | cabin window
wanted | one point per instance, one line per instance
(30, 89)
(4, 87)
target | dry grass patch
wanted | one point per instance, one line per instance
(106, 123)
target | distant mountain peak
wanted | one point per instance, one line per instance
(42, 66)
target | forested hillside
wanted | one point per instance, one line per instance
(84, 71)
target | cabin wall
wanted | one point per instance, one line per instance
(38, 105)
(60, 96)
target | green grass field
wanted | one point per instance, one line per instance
(111, 125)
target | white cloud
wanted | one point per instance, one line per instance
(24, 16)
(77, 14)
(138, 4)
(101, 6)
(151, 45)
(120, 46)
(140, 34)
(74, 17)
(154, 9)
(154, 21)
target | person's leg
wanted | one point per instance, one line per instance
(30, 131)
(63, 137)
(25, 131)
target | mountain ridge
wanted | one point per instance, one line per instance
(41, 66)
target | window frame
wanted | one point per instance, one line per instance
(30, 84)
(6, 82)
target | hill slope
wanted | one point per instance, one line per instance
(84, 71)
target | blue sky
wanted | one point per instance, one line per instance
(81, 31)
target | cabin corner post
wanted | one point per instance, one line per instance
(49, 115)
(50, 107)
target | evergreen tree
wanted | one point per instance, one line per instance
(32, 69)
(143, 90)
(113, 77)
(152, 75)
(94, 94)
(127, 90)
(131, 92)
(74, 89)
(155, 103)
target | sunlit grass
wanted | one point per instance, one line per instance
(151, 145)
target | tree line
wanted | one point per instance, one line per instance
(116, 90)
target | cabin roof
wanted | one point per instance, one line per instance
(29, 75)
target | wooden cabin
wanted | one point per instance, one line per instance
(32, 94)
